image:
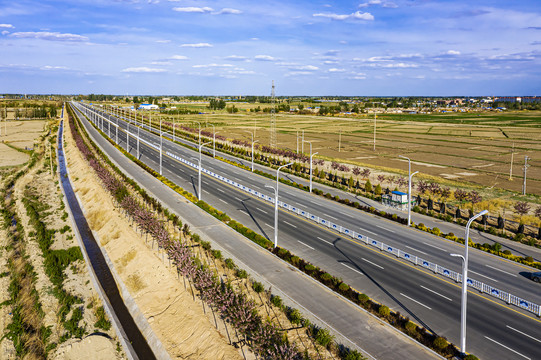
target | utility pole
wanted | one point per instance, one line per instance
(525, 168)
(339, 139)
(511, 167)
(374, 130)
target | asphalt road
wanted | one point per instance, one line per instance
(494, 329)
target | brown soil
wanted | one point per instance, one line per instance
(20, 134)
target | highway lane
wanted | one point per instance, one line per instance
(400, 294)
(487, 268)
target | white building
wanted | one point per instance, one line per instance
(148, 107)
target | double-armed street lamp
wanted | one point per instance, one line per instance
(276, 203)
(465, 281)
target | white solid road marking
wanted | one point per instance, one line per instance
(508, 348)
(503, 271)
(349, 267)
(422, 252)
(407, 297)
(308, 246)
(520, 332)
(434, 246)
(437, 293)
(237, 198)
(205, 191)
(476, 273)
(325, 241)
(384, 228)
(269, 225)
(370, 262)
(290, 224)
(263, 211)
(244, 212)
(225, 202)
(220, 190)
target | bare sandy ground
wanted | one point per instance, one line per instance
(176, 318)
(20, 134)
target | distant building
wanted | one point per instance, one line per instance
(148, 107)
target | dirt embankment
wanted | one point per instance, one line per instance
(182, 323)
(40, 188)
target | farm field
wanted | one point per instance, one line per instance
(461, 147)
(20, 135)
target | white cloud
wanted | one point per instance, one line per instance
(48, 67)
(336, 70)
(295, 73)
(163, 63)
(178, 57)
(398, 65)
(193, 9)
(163, 41)
(143, 69)
(5, 32)
(371, 2)
(52, 36)
(228, 11)
(453, 52)
(199, 45)
(305, 67)
(7, 26)
(236, 58)
(264, 58)
(212, 65)
(354, 16)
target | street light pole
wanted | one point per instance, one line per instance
(465, 282)
(276, 203)
(199, 171)
(410, 176)
(214, 140)
(311, 155)
(253, 142)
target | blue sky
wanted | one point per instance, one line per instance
(236, 47)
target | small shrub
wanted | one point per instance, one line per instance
(440, 343)
(507, 252)
(324, 337)
(411, 328)
(471, 357)
(384, 311)
(217, 254)
(229, 263)
(528, 259)
(276, 301)
(294, 316)
(436, 231)
(353, 355)
(326, 277)
(205, 245)
(363, 299)
(258, 287)
(295, 260)
(343, 287)
(309, 267)
(241, 273)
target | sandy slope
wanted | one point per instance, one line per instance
(176, 318)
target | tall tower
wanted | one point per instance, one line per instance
(272, 141)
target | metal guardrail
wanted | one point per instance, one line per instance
(437, 269)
